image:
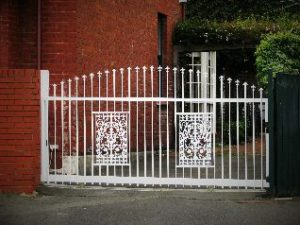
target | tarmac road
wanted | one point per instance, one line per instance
(146, 206)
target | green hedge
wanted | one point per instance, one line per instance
(238, 32)
(232, 9)
(279, 52)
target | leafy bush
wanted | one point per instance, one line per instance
(229, 9)
(279, 52)
(239, 31)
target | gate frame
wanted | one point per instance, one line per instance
(44, 92)
(45, 176)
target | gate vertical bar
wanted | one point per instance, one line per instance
(77, 128)
(106, 94)
(137, 122)
(159, 121)
(229, 128)
(204, 76)
(122, 108)
(175, 119)
(245, 117)
(99, 108)
(237, 82)
(168, 141)
(122, 87)
(222, 128)
(92, 124)
(70, 131)
(62, 124)
(99, 90)
(114, 95)
(129, 119)
(152, 141)
(198, 110)
(84, 128)
(182, 104)
(253, 134)
(145, 142)
(55, 132)
(205, 96)
(191, 89)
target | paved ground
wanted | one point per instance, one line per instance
(146, 206)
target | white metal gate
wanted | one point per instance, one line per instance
(114, 128)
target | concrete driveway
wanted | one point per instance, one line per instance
(145, 206)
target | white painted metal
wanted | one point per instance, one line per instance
(84, 127)
(168, 141)
(261, 137)
(152, 125)
(77, 126)
(159, 181)
(253, 133)
(162, 99)
(62, 127)
(245, 121)
(92, 123)
(195, 144)
(145, 140)
(157, 162)
(44, 93)
(111, 131)
(159, 121)
(137, 122)
(70, 130)
(237, 82)
(175, 120)
(129, 109)
(229, 126)
(222, 127)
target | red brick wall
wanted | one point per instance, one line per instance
(18, 39)
(19, 130)
(83, 36)
(9, 33)
(122, 33)
(58, 37)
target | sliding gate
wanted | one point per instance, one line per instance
(142, 127)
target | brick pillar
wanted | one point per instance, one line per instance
(19, 130)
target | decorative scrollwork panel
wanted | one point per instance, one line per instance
(195, 139)
(111, 138)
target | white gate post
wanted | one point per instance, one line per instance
(44, 92)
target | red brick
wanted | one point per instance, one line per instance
(19, 131)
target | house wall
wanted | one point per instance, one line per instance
(19, 130)
(18, 39)
(9, 34)
(83, 36)
(80, 36)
